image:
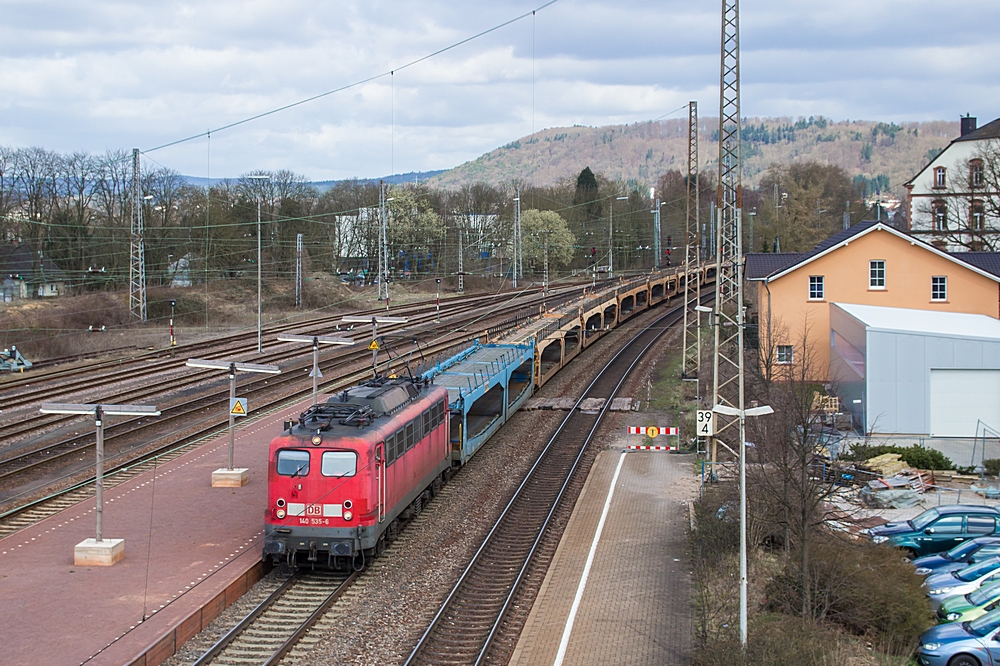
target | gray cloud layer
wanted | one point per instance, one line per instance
(117, 75)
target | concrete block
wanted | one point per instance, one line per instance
(94, 553)
(230, 478)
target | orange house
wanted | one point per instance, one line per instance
(869, 264)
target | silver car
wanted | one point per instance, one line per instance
(944, 585)
(975, 643)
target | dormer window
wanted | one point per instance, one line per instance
(939, 177)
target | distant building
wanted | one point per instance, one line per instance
(869, 264)
(27, 274)
(953, 203)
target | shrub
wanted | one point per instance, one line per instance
(717, 523)
(779, 640)
(992, 466)
(914, 456)
(864, 588)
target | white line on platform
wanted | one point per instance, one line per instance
(568, 629)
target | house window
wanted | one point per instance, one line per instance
(876, 274)
(939, 177)
(939, 288)
(976, 173)
(976, 216)
(940, 211)
(786, 354)
(815, 287)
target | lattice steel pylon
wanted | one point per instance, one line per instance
(727, 370)
(137, 251)
(692, 256)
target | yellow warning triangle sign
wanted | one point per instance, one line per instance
(374, 345)
(238, 409)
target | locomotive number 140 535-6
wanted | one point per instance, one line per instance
(313, 522)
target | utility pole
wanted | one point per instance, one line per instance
(611, 236)
(692, 259)
(383, 240)
(517, 237)
(316, 340)
(99, 551)
(298, 271)
(656, 231)
(232, 477)
(137, 253)
(461, 264)
(728, 365)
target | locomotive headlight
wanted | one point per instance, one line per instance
(348, 515)
(280, 513)
(280, 503)
(348, 504)
(317, 439)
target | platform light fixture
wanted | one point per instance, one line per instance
(743, 414)
(231, 476)
(374, 321)
(316, 341)
(99, 551)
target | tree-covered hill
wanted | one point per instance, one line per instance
(884, 155)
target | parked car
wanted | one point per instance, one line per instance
(938, 529)
(959, 557)
(975, 643)
(972, 605)
(954, 583)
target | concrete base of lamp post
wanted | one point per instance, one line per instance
(94, 553)
(230, 478)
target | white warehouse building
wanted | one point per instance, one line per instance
(916, 372)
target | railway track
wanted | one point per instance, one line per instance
(480, 619)
(270, 631)
(202, 415)
(26, 389)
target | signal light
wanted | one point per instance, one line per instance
(279, 514)
(348, 515)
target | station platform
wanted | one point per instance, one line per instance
(630, 608)
(190, 551)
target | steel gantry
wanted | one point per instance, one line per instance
(727, 370)
(692, 256)
(137, 250)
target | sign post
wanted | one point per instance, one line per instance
(374, 321)
(231, 476)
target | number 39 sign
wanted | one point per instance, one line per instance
(706, 423)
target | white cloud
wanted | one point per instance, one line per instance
(119, 74)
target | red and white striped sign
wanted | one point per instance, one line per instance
(651, 431)
(652, 448)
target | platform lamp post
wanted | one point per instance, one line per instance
(743, 414)
(99, 552)
(374, 321)
(260, 307)
(611, 237)
(231, 476)
(316, 341)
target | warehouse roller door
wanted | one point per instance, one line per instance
(961, 398)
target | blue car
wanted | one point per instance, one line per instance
(975, 643)
(962, 555)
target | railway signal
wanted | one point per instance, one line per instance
(99, 552)
(232, 477)
(374, 321)
(173, 340)
(316, 341)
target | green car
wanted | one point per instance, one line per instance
(938, 529)
(969, 606)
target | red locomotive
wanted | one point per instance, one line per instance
(343, 477)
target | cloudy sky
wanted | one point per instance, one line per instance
(110, 74)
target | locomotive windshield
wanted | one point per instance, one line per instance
(340, 463)
(293, 463)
